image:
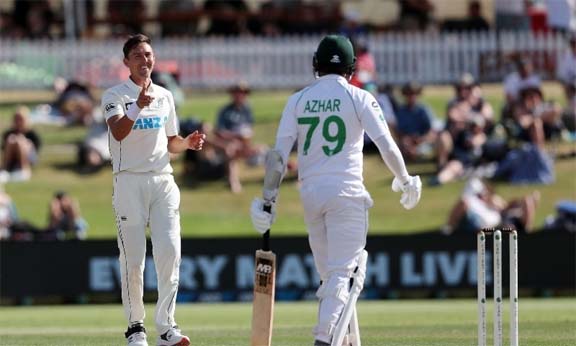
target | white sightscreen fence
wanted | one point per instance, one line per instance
(276, 63)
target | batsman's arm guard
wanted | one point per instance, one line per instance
(275, 167)
(349, 310)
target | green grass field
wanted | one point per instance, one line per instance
(210, 210)
(543, 322)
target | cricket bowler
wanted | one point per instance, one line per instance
(143, 131)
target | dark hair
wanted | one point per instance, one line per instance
(531, 90)
(241, 86)
(133, 41)
(411, 88)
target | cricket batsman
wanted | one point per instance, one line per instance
(328, 120)
(143, 130)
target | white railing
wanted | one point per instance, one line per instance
(284, 62)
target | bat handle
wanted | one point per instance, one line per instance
(266, 235)
(266, 241)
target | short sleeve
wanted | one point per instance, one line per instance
(111, 104)
(288, 127)
(372, 117)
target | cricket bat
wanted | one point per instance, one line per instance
(264, 284)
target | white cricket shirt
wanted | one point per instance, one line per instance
(145, 149)
(328, 120)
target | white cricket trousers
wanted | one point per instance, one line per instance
(142, 199)
(337, 223)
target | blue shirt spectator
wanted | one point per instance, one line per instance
(414, 125)
(414, 119)
(235, 118)
(234, 129)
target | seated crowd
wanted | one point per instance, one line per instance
(472, 142)
(228, 143)
(65, 221)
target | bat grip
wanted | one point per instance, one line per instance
(266, 235)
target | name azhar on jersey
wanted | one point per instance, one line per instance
(316, 106)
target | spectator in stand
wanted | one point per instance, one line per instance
(168, 9)
(474, 22)
(468, 91)
(534, 120)
(414, 126)
(365, 72)
(64, 217)
(415, 15)
(462, 110)
(266, 22)
(466, 153)
(352, 25)
(20, 147)
(481, 107)
(75, 103)
(561, 15)
(536, 12)
(227, 17)
(212, 162)
(566, 66)
(8, 29)
(234, 127)
(39, 21)
(387, 91)
(34, 18)
(126, 17)
(480, 207)
(307, 17)
(522, 78)
(511, 15)
(462, 145)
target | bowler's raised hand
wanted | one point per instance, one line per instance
(144, 99)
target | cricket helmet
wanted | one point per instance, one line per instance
(335, 54)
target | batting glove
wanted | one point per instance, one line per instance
(262, 220)
(411, 191)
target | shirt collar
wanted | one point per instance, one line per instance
(333, 77)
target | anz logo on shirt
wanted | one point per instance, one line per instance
(149, 123)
